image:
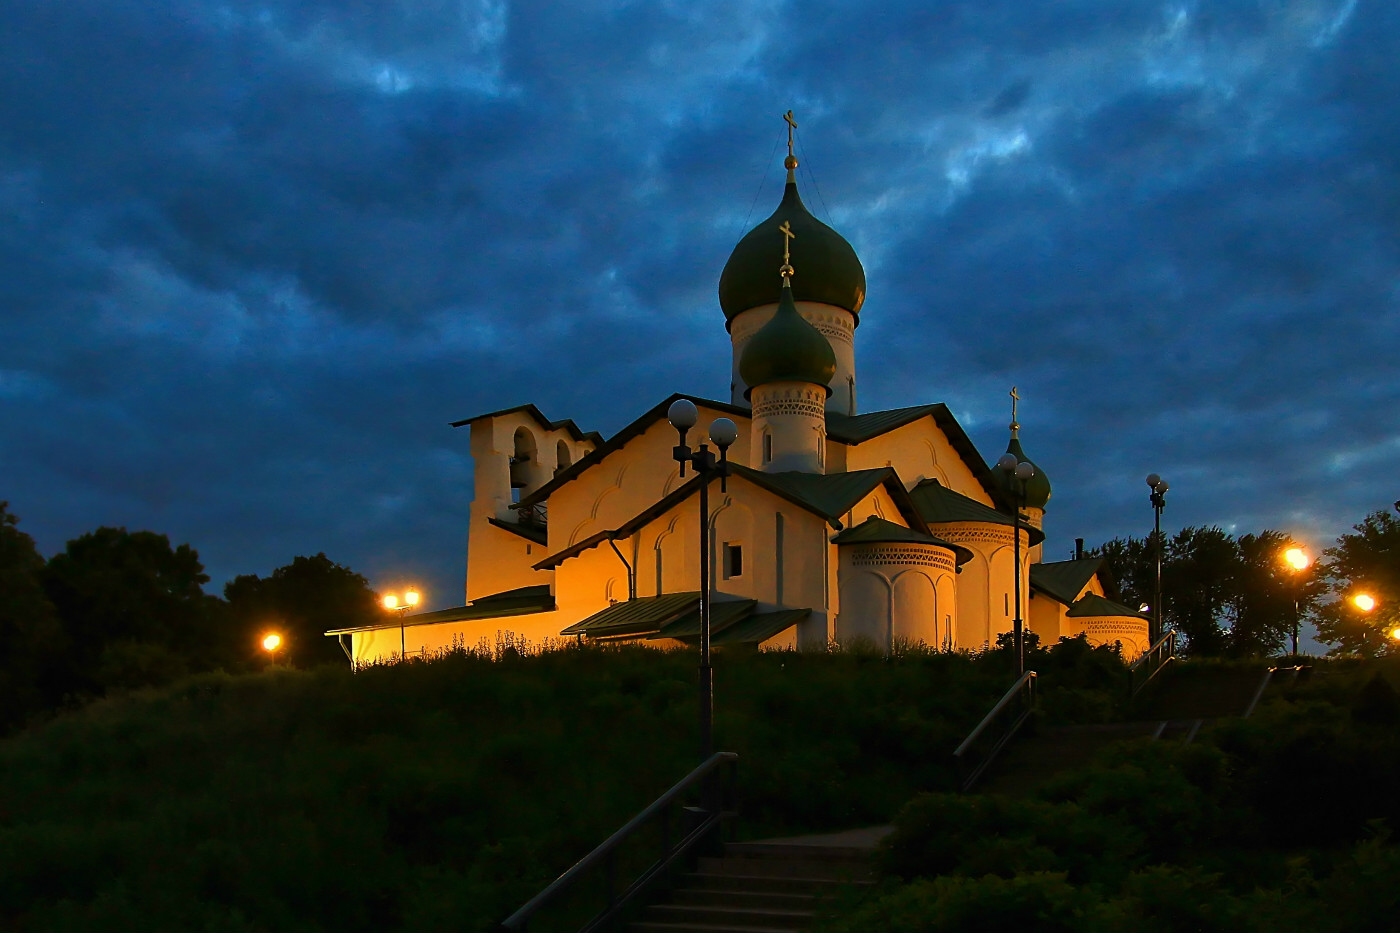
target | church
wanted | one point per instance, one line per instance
(832, 525)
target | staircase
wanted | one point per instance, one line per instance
(773, 886)
(1174, 709)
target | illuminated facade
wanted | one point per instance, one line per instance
(834, 525)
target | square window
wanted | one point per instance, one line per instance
(733, 560)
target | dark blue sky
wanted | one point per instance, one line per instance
(256, 257)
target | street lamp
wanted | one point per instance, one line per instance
(683, 415)
(1158, 498)
(1364, 601)
(1018, 473)
(270, 643)
(391, 602)
(1298, 561)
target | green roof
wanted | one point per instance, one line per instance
(856, 429)
(830, 495)
(939, 505)
(876, 530)
(722, 615)
(787, 349)
(526, 600)
(830, 271)
(1037, 487)
(757, 629)
(1095, 605)
(1064, 580)
(535, 533)
(639, 616)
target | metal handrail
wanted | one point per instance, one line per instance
(1165, 649)
(519, 920)
(1025, 685)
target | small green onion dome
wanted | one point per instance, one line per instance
(787, 349)
(831, 272)
(1037, 487)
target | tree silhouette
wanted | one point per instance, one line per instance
(301, 601)
(31, 639)
(133, 610)
(1366, 561)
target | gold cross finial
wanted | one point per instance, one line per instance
(786, 270)
(790, 162)
(1015, 397)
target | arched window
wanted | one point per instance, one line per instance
(523, 460)
(767, 447)
(562, 459)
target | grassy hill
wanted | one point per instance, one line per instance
(442, 795)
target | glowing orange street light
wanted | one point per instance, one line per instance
(1395, 634)
(271, 642)
(1297, 558)
(392, 602)
(1364, 601)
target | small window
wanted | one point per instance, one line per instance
(733, 560)
(767, 448)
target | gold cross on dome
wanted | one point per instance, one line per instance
(792, 125)
(788, 237)
(1015, 397)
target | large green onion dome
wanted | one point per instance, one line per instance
(1037, 487)
(787, 348)
(831, 273)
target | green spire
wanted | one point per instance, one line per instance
(787, 348)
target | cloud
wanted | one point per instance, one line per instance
(256, 258)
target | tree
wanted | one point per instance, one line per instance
(133, 610)
(1367, 561)
(1225, 596)
(31, 640)
(303, 600)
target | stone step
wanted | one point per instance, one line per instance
(653, 926)
(748, 917)
(812, 868)
(711, 881)
(719, 897)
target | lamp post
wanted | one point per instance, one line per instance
(683, 415)
(391, 602)
(1298, 561)
(270, 643)
(1017, 474)
(1159, 489)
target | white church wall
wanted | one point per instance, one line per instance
(498, 560)
(918, 451)
(890, 594)
(788, 430)
(1047, 616)
(627, 481)
(986, 584)
(837, 325)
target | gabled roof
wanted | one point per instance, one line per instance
(938, 504)
(625, 530)
(1095, 605)
(639, 616)
(760, 627)
(876, 530)
(533, 412)
(1064, 580)
(845, 429)
(856, 429)
(722, 615)
(832, 495)
(620, 439)
(536, 533)
(827, 496)
(523, 601)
